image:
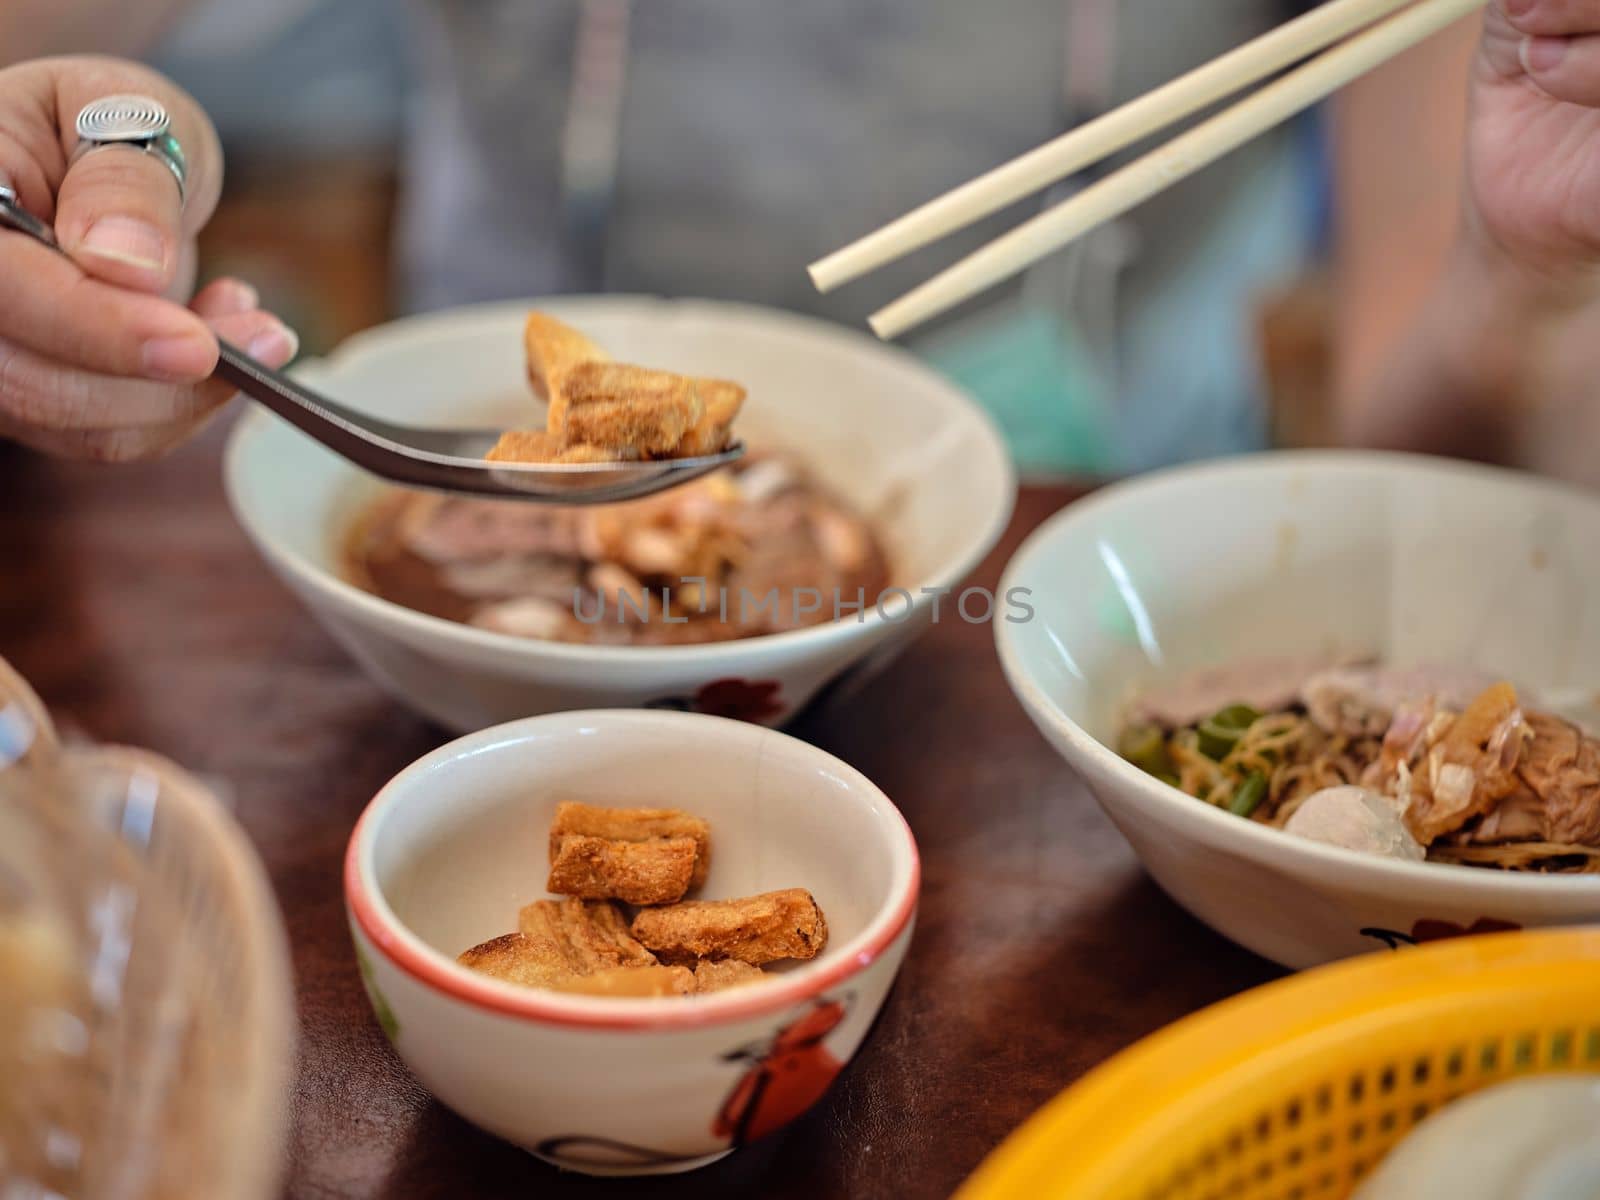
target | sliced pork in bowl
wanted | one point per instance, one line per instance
(1364, 717)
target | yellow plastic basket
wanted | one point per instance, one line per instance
(1295, 1090)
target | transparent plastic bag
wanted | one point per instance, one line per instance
(146, 1019)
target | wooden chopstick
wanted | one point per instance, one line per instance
(1178, 159)
(1100, 138)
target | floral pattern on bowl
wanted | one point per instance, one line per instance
(756, 701)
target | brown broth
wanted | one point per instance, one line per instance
(561, 573)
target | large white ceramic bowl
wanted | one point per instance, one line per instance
(910, 450)
(1293, 554)
(449, 851)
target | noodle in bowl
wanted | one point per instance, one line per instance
(1329, 555)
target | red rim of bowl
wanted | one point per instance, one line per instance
(431, 967)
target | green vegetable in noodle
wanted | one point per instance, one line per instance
(1145, 746)
(1247, 797)
(1221, 731)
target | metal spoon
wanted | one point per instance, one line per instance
(443, 460)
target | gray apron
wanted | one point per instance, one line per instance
(749, 140)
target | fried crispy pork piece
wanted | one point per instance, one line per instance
(542, 446)
(632, 981)
(592, 934)
(756, 929)
(601, 411)
(653, 872)
(525, 445)
(582, 452)
(633, 825)
(553, 349)
(722, 400)
(559, 942)
(626, 407)
(517, 958)
(720, 975)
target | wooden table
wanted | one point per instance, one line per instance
(136, 606)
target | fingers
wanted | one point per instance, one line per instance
(224, 297)
(69, 411)
(136, 190)
(261, 335)
(119, 214)
(1566, 68)
(49, 306)
(1552, 18)
(113, 446)
(93, 361)
(1554, 43)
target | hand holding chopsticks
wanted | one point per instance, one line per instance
(1153, 173)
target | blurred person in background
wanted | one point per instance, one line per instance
(702, 147)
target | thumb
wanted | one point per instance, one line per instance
(120, 215)
(119, 211)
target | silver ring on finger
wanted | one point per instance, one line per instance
(134, 123)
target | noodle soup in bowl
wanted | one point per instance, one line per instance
(868, 423)
(1289, 558)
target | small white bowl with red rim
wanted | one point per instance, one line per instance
(454, 845)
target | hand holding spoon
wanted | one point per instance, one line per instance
(445, 460)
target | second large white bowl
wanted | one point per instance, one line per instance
(910, 450)
(1411, 559)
